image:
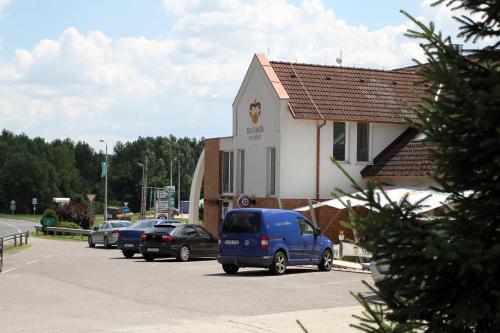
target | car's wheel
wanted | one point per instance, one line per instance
(326, 261)
(278, 267)
(128, 254)
(184, 254)
(148, 257)
(230, 268)
(91, 243)
(106, 243)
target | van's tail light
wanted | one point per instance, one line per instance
(144, 236)
(167, 238)
(264, 242)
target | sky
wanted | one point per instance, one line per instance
(120, 69)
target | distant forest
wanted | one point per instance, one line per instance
(34, 168)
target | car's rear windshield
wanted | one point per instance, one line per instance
(242, 222)
(167, 229)
(120, 224)
(143, 224)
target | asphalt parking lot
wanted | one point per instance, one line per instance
(64, 286)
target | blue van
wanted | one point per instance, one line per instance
(271, 238)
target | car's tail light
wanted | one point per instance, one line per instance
(144, 236)
(167, 238)
(116, 233)
(264, 242)
(219, 243)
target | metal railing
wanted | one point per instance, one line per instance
(62, 231)
(16, 239)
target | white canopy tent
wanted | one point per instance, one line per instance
(431, 199)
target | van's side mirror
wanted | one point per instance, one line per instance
(317, 232)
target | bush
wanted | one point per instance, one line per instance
(67, 224)
(77, 213)
(49, 213)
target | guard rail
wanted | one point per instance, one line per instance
(63, 231)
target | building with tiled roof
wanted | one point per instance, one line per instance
(289, 120)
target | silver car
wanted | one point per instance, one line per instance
(107, 233)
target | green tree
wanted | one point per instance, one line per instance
(444, 274)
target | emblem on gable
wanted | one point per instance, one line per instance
(255, 110)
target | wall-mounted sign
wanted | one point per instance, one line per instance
(254, 132)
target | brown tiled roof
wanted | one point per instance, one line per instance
(348, 94)
(405, 157)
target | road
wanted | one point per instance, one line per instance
(64, 286)
(10, 226)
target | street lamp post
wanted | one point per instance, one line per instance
(179, 184)
(105, 182)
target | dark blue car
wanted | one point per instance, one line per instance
(129, 238)
(273, 239)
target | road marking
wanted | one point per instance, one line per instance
(8, 270)
(13, 226)
(31, 262)
(48, 256)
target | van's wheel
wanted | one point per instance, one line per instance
(128, 254)
(326, 261)
(230, 268)
(148, 257)
(278, 267)
(91, 243)
(184, 254)
(106, 243)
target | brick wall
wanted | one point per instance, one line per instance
(212, 186)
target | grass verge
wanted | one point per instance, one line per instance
(14, 249)
(74, 238)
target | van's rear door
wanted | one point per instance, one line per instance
(241, 231)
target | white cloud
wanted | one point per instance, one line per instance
(90, 86)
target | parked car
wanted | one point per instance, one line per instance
(273, 239)
(107, 233)
(181, 241)
(129, 238)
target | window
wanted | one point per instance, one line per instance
(242, 222)
(305, 227)
(189, 231)
(203, 233)
(363, 143)
(339, 140)
(271, 171)
(227, 172)
(241, 171)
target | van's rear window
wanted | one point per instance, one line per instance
(246, 222)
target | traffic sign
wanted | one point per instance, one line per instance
(34, 201)
(13, 202)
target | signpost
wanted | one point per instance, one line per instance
(171, 196)
(12, 206)
(34, 202)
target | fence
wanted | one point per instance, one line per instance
(62, 231)
(16, 239)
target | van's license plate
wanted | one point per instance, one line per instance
(232, 242)
(153, 249)
(129, 245)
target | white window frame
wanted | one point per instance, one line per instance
(369, 143)
(347, 141)
(231, 171)
(240, 171)
(270, 173)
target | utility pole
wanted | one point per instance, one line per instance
(179, 184)
(105, 182)
(144, 187)
(171, 172)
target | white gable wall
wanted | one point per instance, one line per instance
(255, 87)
